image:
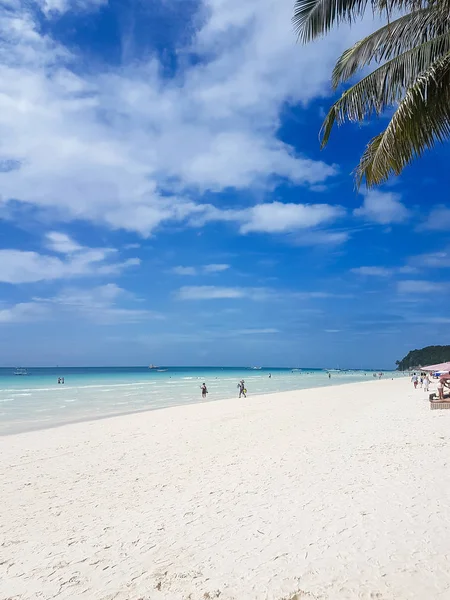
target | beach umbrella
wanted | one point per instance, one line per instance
(443, 367)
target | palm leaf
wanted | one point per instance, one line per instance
(313, 18)
(364, 169)
(385, 86)
(421, 120)
(391, 40)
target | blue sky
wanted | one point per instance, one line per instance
(163, 197)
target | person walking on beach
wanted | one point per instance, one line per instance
(204, 390)
(414, 380)
(242, 390)
(426, 383)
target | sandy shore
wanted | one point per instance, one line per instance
(329, 493)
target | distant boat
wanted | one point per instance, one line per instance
(161, 370)
(257, 368)
(20, 371)
(152, 367)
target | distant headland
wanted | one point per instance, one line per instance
(430, 355)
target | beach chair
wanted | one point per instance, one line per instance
(439, 404)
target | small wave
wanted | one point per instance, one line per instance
(7, 400)
(63, 388)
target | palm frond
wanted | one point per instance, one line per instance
(421, 120)
(385, 86)
(389, 41)
(313, 18)
(364, 168)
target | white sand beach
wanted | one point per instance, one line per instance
(331, 493)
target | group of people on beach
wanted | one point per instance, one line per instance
(422, 381)
(240, 385)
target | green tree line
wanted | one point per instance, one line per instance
(431, 355)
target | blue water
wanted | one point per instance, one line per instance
(37, 401)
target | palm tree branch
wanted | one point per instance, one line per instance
(391, 40)
(421, 120)
(313, 18)
(385, 86)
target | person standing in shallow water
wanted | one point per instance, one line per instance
(204, 391)
(242, 390)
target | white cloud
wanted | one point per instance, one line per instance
(215, 268)
(383, 271)
(101, 304)
(209, 292)
(432, 320)
(212, 292)
(101, 146)
(415, 286)
(18, 266)
(384, 208)
(267, 331)
(206, 269)
(322, 238)
(53, 8)
(62, 243)
(372, 271)
(437, 260)
(438, 219)
(318, 295)
(184, 271)
(277, 217)
(22, 312)
(281, 218)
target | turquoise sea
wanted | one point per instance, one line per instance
(37, 401)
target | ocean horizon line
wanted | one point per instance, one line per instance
(165, 366)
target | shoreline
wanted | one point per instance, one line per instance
(93, 417)
(330, 496)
